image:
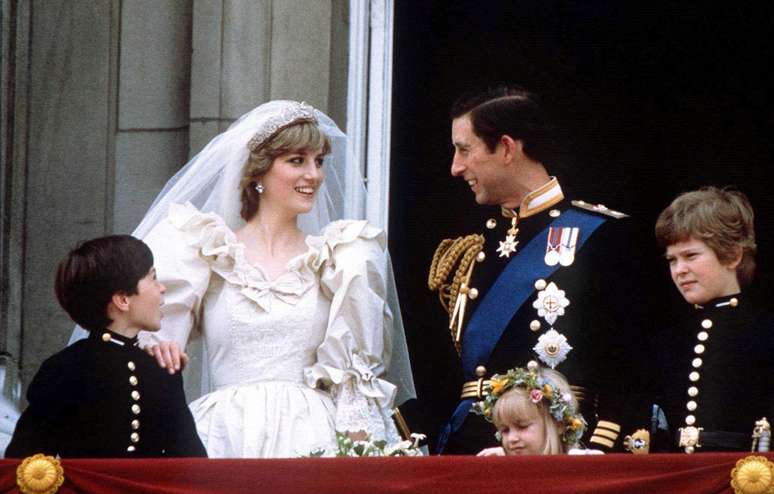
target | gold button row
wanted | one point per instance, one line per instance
(694, 376)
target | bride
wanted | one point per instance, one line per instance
(302, 335)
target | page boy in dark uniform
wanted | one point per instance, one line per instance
(714, 367)
(547, 279)
(103, 396)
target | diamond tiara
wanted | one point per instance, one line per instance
(296, 112)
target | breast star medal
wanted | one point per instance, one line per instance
(550, 303)
(552, 348)
(508, 246)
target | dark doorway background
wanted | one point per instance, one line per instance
(650, 98)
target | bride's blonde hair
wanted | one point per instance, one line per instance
(300, 136)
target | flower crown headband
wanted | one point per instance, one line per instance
(559, 404)
(296, 112)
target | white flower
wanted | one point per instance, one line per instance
(550, 303)
(552, 348)
(417, 438)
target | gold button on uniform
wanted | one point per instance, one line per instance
(135, 424)
(698, 349)
(473, 294)
(696, 363)
(491, 223)
(130, 449)
(690, 420)
(480, 371)
(702, 336)
(135, 395)
(693, 391)
(694, 376)
(733, 302)
(133, 380)
(554, 213)
(540, 284)
(136, 409)
(534, 325)
(706, 324)
(135, 437)
(691, 406)
(105, 337)
(480, 257)
(131, 365)
(532, 365)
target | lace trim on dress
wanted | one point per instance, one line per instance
(356, 412)
(219, 246)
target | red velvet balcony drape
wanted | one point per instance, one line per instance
(700, 473)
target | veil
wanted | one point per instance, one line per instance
(210, 182)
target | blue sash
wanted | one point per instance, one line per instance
(509, 292)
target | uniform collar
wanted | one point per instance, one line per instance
(538, 200)
(108, 336)
(721, 303)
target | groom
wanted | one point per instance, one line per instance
(544, 279)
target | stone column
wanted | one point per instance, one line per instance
(154, 85)
(69, 131)
(247, 52)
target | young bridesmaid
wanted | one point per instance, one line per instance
(534, 411)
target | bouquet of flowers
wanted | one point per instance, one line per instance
(346, 446)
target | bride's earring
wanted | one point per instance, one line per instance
(259, 188)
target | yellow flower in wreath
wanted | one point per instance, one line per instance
(498, 385)
(548, 391)
(576, 424)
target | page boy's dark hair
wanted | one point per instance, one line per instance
(91, 273)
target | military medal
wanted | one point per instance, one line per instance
(552, 348)
(550, 303)
(560, 245)
(552, 246)
(567, 247)
(508, 246)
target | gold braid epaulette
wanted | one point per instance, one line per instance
(458, 256)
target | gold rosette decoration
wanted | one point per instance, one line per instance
(39, 474)
(753, 475)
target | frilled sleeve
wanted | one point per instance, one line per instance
(180, 245)
(351, 260)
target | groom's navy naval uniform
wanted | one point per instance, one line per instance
(587, 251)
(104, 397)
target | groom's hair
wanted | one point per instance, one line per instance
(508, 109)
(95, 270)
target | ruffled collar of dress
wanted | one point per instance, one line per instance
(219, 246)
(337, 233)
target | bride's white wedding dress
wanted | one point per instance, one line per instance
(291, 360)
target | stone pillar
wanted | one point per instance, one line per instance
(14, 58)
(247, 52)
(154, 85)
(67, 197)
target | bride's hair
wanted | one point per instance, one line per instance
(301, 136)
